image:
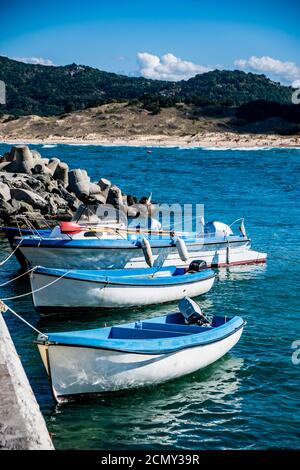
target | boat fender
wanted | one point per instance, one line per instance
(196, 266)
(182, 249)
(146, 247)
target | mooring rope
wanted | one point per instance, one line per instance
(4, 308)
(18, 277)
(36, 290)
(11, 254)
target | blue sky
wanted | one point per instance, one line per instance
(174, 39)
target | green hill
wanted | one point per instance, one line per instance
(50, 90)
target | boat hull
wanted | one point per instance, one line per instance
(69, 293)
(83, 371)
(12, 232)
(67, 257)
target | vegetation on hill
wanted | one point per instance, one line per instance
(46, 91)
(260, 110)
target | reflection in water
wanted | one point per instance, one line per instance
(171, 414)
(243, 273)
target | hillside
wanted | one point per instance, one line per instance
(128, 124)
(48, 90)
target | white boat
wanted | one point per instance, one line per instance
(111, 248)
(127, 356)
(57, 290)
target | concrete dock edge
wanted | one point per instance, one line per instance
(22, 426)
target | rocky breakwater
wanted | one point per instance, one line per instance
(40, 188)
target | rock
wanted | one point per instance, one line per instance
(4, 192)
(13, 178)
(23, 161)
(71, 200)
(132, 211)
(38, 186)
(9, 156)
(35, 184)
(131, 200)
(6, 210)
(36, 201)
(53, 162)
(4, 165)
(61, 173)
(104, 184)
(79, 182)
(114, 196)
(44, 179)
(24, 207)
(61, 203)
(64, 215)
(94, 189)
(36, 155)
(99, 198)
(41, 168)
(52, 206)
(52, 186)
(15, 205)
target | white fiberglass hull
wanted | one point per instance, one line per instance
(118, 258)
(73, 293)
(75, 371)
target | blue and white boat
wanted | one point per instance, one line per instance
(147, 352)
(117, 248)
(12, 233)
(58, 290)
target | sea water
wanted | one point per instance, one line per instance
(250, 399)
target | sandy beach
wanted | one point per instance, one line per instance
(213, 140)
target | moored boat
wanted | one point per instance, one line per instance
(117, 249)
(91, 362)
(57, 290)
(95, 241)
(12, 232)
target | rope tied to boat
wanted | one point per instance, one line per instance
(37, 290)
(4, 307)
(17, 277)
(12, 253)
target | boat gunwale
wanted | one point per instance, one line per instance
(154, 352)
(39, 242)
(134, 281)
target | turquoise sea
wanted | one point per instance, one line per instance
(249, 399)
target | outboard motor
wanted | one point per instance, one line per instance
(196, 266)
(192, 313)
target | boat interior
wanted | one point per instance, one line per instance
(170, 326)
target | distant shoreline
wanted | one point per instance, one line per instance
(209, 140)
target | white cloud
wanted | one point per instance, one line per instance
(286, 72)
(168, 67)
(34, 60)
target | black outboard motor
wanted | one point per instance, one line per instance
(192, 313)
(196, 266)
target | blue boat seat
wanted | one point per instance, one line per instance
(183, 329)
(139, 333)
(179, 272)
(219, 320)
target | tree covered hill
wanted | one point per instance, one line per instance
(51, 90)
